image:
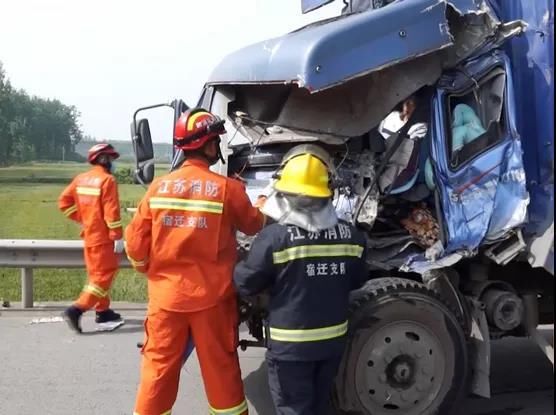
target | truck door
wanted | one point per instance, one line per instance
(477, 155)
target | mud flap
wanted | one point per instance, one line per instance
(546, 347)
(481, 351)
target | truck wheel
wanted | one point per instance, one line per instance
(406, 355)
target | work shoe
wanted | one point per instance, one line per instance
(72, 316)
(107, 316)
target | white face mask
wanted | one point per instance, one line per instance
(113, 167)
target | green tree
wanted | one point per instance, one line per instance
(34, 127)
(5, 116)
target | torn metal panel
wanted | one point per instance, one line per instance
(353, 108)
(421, 263)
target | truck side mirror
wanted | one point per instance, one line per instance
(144, 151)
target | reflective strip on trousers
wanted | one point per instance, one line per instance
(236, 410)
(114, 225)
(317, 251)
(89, 191)
(163, 413)
(95, 290)
(189, 205)
(309, 335)
(136, 263)
(70, 210)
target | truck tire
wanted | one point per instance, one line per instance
(406, 354)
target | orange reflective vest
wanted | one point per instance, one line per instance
(183, 236)
(92, 200)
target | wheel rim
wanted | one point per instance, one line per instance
(401, 369)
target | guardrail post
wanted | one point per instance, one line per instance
(27, 287)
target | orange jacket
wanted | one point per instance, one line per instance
(92, 200)
(183, 236)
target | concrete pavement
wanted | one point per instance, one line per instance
(46, 369)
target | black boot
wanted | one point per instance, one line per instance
(107, 316)
(72, 316)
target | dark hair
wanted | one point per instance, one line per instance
(102, 159)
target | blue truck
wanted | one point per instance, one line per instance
(461, 250)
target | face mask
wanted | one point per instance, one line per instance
(112, 167)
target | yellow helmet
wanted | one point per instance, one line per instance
(305, 175)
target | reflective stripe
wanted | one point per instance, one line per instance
(193, 118)
(163, 413)
(317, 251)
(114, 225)
(95, 290)
(236, 410)
(136, 263)
(89, 191)
(309, 335)
(70, 210)
(186, 204)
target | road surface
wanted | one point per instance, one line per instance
(48, 370)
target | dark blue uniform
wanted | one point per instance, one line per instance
(309, 277)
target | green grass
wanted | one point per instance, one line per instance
(60, 172)
(41, 172)
(29, 211)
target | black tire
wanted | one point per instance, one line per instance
(407, 353)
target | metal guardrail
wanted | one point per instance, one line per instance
(29, 254)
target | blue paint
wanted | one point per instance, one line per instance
(532, 58)
(480, 197)
(511, 184)
(323, 55)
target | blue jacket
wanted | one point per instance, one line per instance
(309, 277)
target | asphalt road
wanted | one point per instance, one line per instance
(46, 369)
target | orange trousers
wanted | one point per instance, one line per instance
(102, 266)
(215, 333)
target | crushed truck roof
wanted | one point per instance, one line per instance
(332, 51)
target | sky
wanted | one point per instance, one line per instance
(109, 57)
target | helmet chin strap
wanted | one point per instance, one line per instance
(218, 157)
(214, 159)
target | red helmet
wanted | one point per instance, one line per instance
(100, 149)
(196, 127)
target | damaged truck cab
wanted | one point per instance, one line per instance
(457, 201)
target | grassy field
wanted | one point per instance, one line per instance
(29, 211)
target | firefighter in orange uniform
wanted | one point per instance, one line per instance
(183, 237)
(91, 199)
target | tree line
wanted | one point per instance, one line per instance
(34, 128)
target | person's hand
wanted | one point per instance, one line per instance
(119, 246)
(418, 130)
(244, 309)
(261, 200)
